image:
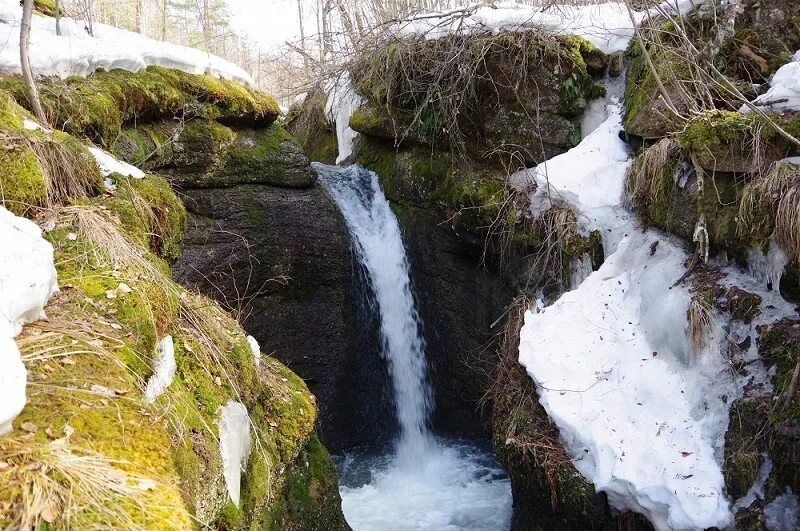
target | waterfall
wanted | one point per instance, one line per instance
(428, 482)
(379, 248)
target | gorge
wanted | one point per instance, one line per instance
(507, 267)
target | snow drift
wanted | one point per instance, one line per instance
(76, 53)
(27, 280)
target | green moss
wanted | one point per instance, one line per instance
(99, 105)
(309, 499)
(45, 7)
(260, 156)
(22, 185)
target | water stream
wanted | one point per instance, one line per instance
(423, 482)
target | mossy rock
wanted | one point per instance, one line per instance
(309, 499)
(46, 7)
(98, 106)
(314, 131)
(531, 73)
(264, 156)
(729, 141)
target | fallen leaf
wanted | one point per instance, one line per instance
(99, 389)
(49, 514)
(30, 427)
(686, 454)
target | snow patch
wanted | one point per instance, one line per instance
(611, 360)
(606, 25)
(27, 281)
(342, 102)
(109, 164)
(76, 53)
(234, 445)
(163, 369)
(784, 90)
(255, 348)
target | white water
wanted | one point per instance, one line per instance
(426, 483)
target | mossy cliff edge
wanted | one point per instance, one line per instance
(88, 451)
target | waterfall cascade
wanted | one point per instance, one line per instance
(427, 482)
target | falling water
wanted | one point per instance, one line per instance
(427, 483)
(380, 249)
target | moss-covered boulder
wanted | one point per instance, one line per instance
(309, 124)
(89, 450)
(513, 97)
(98, 106)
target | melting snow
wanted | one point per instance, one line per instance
(611, 359)
(76, 53)
(27, 280)
(234, 445)
(163, 369)
(109, 164)
(255, 348)
(784, 90)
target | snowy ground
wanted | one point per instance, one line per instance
(640, 411)
(76, 53)
(784, 90)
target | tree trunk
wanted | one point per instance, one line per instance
(25, 63)
(58, 17)
(207, 24)
(302, 32)
(164, 13)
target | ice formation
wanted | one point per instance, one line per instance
(234, 445)
(163, 369)
(27, 281)
(782, 513)
(342, 102)
(76, 53)
(255, 348)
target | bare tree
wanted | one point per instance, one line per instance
(25, 63)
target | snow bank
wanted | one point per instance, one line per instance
(608, 25)
(109, 164)
(342, 102)
(255, 348)
(784, 90)
(163, 369)
(641, 416)
(27, 280)
(76, 53)
(234, 445)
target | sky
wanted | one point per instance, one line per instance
(269, 22)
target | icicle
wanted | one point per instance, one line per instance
(700, 237)
(234, 445)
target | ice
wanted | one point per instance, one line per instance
(342, 102)
(768, 268)
(782, 513)
(580, 269)
(163, 369)
(255, 348)
(76, 53)
(234, 445)
(756, 491)
(109, 164)
(27, 281)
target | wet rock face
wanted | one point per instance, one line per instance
(280, 258)
(458, 300)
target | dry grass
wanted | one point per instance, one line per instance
(700, 324)
(772, 200)
(69, 170)
(643, 181)
(529, 435)
(549, 266)
(68, 488)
